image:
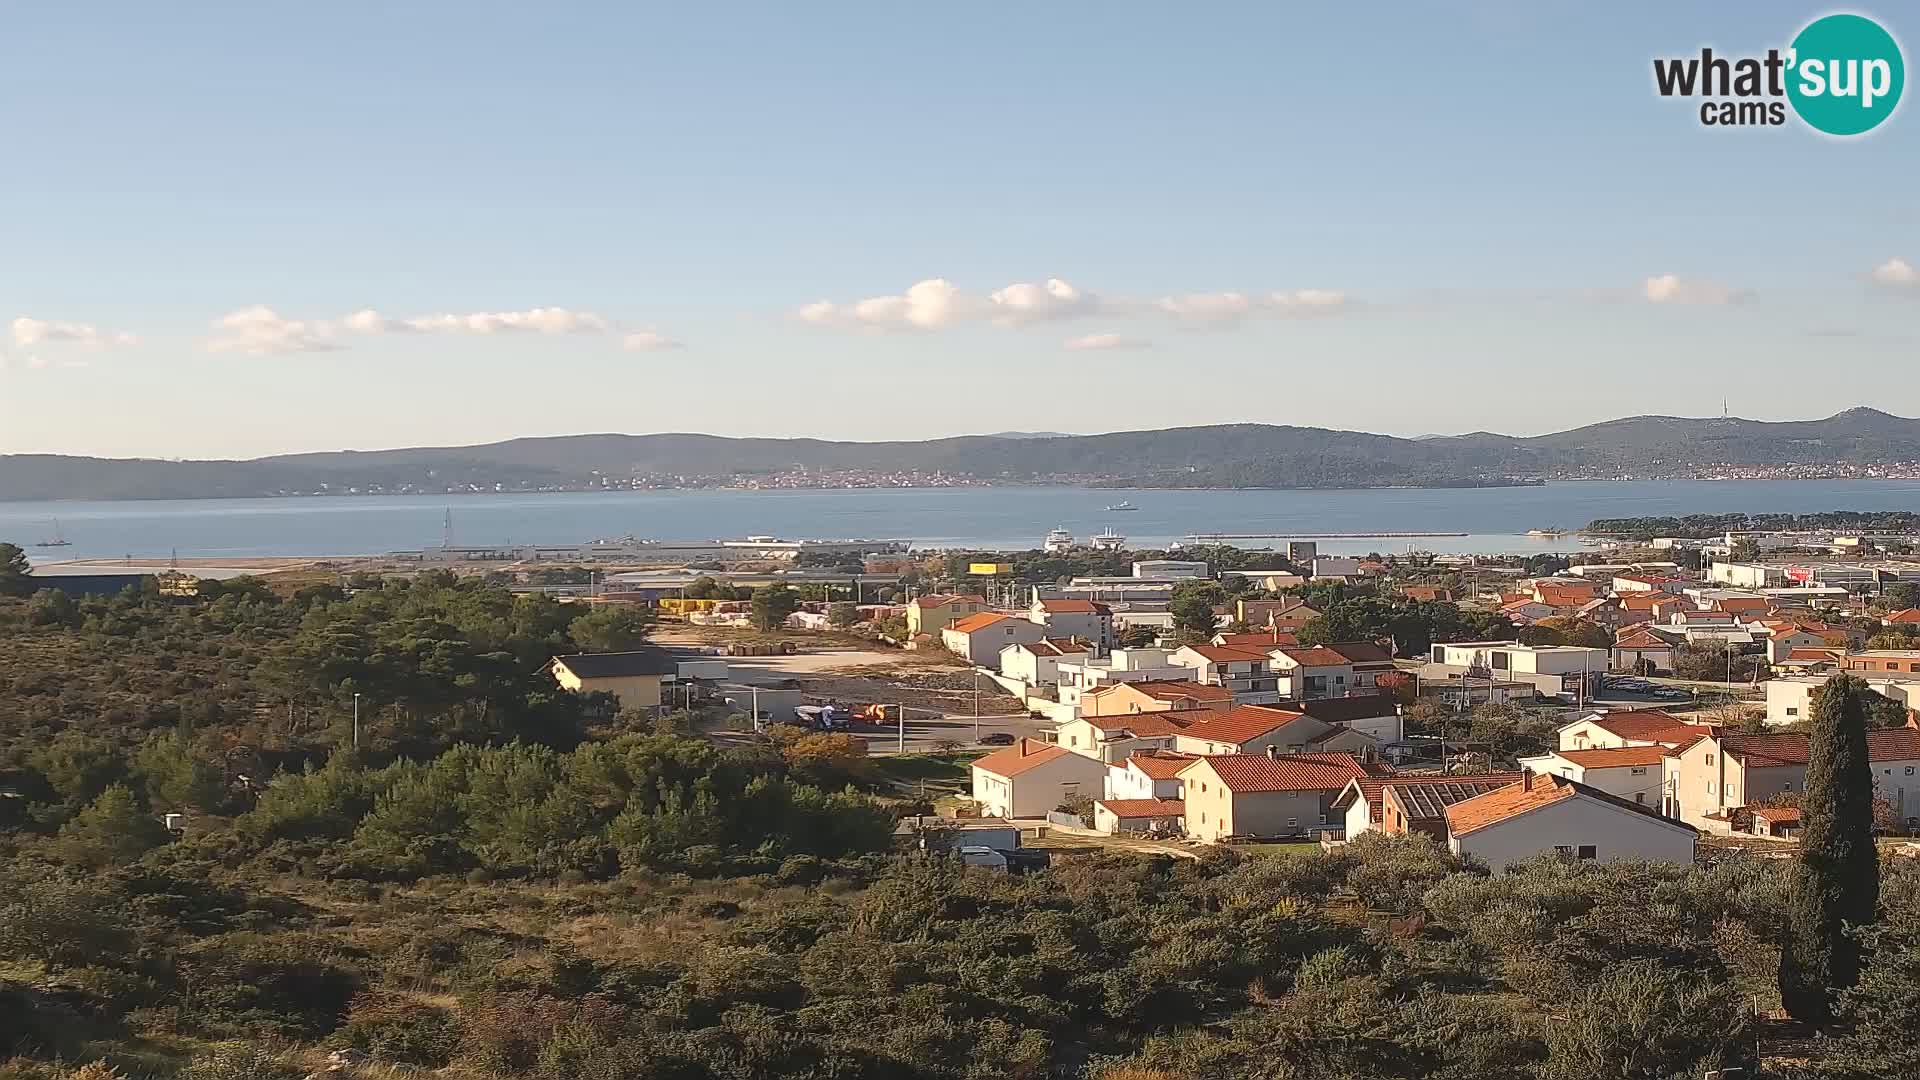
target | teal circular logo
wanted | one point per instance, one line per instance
(1845, 74)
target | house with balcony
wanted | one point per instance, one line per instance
(1246, 672)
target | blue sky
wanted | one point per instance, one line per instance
(444, 223)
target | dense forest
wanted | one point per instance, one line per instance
(500, 881)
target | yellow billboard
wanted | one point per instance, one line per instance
(991, 569)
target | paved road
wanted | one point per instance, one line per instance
(925, 731)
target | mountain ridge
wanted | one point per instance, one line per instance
(1238, 455)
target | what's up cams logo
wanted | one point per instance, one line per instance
(1842, 75)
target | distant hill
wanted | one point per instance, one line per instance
(1220, 456)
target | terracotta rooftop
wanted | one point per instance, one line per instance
(1649, 724)
(1316, 656)
(1175, 689)
(1071, 607)
(1237, 725)
(1139, 808)
(1904, 616)
(1253, 773)
(1639, 637)
(1773, 750)
(1054, 647)
(978, 622)
(1775, 814)
(1160, 764)
(1427, 798)
(1533, 793)
(1018, 758)
(1613, 757)
(1149, 725)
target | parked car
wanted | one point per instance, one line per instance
(998, 738)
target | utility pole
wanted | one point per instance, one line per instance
(976, 704)
(356, 719)
(900, 714)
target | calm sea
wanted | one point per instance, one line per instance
(1496, 519)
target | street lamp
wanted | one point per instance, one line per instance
(356, 719)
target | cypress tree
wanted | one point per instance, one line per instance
(1836, 880)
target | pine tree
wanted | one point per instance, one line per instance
(1836, 881)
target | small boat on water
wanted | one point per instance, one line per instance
(58, 539)
(1123, 505)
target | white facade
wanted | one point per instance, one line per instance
(1580, 827)
(1077, 677)
(982, 647)
(1511, 656)
(1790, 698)
(1126, 782)
(1036, 790)
(1643, 784)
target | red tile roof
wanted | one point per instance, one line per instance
(1613, 757)
(1238, 725)
(1253, 773)
(1647, 724)
(1071, 607)
(1269, 639)
(1175, 689)
(1149, 725)
(1021, 756)
(1904, 615)
(1160, 764)
(1641, 638)
(1316, 656)
(1775, 814)
(1054, 647)
(1773, 750)
(978, 622)
(1144, 808)
(1510, 802)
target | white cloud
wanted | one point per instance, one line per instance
(1224, 308)
(1106, 341)
(1896, 272)
(546, 320)
(28, 332)
(1025, 302)
(928, 305)
(1672, 289)
(261, 331)
(649, 341)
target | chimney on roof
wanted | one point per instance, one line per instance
(1526, 779)
(1273, 751)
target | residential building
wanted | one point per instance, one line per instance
(1511, 656)
(634, 678)
(1085, 676)
(1905, 661)
(1368, 661)
(1246, 672)
(1261, 795)
(1286, 616)
(1088, 620)
(1250, 729)
(1115, 738)
(1037, 663)
(1790, 697)
(1640, 649)
(1636, 727)
(1314, 672)
(1634, 773)
(1272, 580)
(1428, 594)
(1710, 778)
(1155, 695)
(1543, 815)
(1112, 816)
(932, 614)
(1376, 716)
(978, 639)
(1411, 804)
(1147, 774)
(1904, 619)
(1257, 639)
(1031, 778)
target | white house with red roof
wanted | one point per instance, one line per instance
(978, 639)
(1634, 773)
(1087, 620)
(1267, 795)
(1248, 672)
(1031, 778)
(1147, 774)
(1114, 738)
(1636, 727)
(1316, 671)
(1037, 663)
(1709, 779)
(1639, 647)
(1256, 729)
(1549, 815)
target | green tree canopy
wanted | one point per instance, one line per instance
(1836, 880)
(611, 628)
(16, 576)
(772, 605)
(113, 829)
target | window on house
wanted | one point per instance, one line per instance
(1709, 759)
(1323, 818)
(1563, 850)
(1792, 711)
(1709, 787)
(1909, 770)
(1637, 770)
(1293, 823)
(1640, 797)
(1589, 851)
